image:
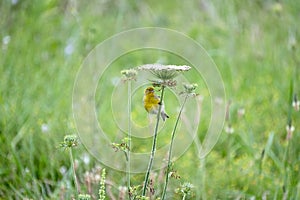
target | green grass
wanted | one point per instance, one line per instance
(248, 41)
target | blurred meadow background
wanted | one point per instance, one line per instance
(255, 45)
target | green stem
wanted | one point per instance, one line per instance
(129, 138)
(170, 149)
(203, 177)
(74, 173)
(153, 145)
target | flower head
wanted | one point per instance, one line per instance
(289, 129)
(229, 129)
(296, 103)
(185, 189)
(129, 74)
(164, 72)
(69, 141)
(190, 88)
(241, 112)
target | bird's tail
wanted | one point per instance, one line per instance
(164, 115)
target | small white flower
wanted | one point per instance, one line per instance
(229, 129)
(14, 2)
(6, 40)
(27, 170)
(289, 129)
(45, 128)
(86, 158)
(63, 170)
(296, 105)
(122, 188)
(97, 177)
(69, 49)
(241, 112)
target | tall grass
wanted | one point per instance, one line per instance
(247, 40)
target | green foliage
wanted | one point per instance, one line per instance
(255, 45)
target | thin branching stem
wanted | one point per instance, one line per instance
(129, 138)
(153, 145)
(170, 149)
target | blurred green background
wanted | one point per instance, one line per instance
(253, 43)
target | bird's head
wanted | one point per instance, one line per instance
(149, 90)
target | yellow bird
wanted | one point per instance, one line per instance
(152, 102)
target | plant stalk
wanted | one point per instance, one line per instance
(170, 149)
(154, 144)
(129, 139)
(74, 173)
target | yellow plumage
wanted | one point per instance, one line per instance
(152, 102)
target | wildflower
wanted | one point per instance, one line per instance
(69, 49)
(86, 158)
(189, 89)
(229, 129)
(6, 40)
(70, 141)
(45, 128)
(123, 146)
(164, 72)
(185, 189)
(129, 74)
(289, 129)
(14, 2)
(296, 103)
(241, 112)
(63, 170)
